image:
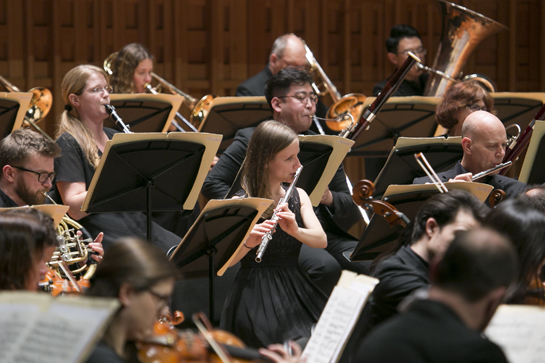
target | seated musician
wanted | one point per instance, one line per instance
(27, 159)
(483, 142)
(82, 138)
(404, 38)
(524, 225)
(458, 102)
(293, 101)
(467, 285)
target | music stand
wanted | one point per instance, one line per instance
(517, 107)
(401, 166)
(216, 237)
(226, 115)
(400, 117)
(379, 236)
(144, 112)
(151, 172)
(13, 107)
(532, 169)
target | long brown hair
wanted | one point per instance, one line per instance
(74, 82)
(268, 139)
(460, 95)
(124, 65)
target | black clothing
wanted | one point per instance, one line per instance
(104, 354)
(5, 201)
(71, 167)
(406, 88)
(274, 300)
(320, 266)
(510, 186)
(428, 331)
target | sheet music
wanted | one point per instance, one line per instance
(338, 318)
(38, 328)
(520, 332)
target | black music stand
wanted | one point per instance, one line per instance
(401, 166)
(226, 115)
(144, 112)
(517, 107)
(151, 172)
(13, 106)
(400, 117)
(215, 237)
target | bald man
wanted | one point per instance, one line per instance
(483, 142)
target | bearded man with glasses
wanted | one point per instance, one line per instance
(404, 39)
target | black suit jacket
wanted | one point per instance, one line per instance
(255, 86)
(334, 221)
(510, 186)
(406, 88)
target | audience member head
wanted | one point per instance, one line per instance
(404, 38)
(26, 158)
(265, 148)
(142, 278)
(459, 101)
(483, 142)
(441, 217)
(525, 227)
(288, 50)
(291, 98)
(27, 242)
(477, 267)
(85, 91)
(131, 69)
(534, 196)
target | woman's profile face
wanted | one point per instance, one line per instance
(142, 75)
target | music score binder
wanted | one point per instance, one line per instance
(151, 172)
(216, 237)
(13, 107)
(144, 112)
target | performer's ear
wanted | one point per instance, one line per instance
(393, 58)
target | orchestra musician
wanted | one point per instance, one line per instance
(403, 39)
(467, 285)
(131, 69)
(274, 300)
(293, 101)
(459, 100)
(524, 225)
(483, 142)
(82, 138)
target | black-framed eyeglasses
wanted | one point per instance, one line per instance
(419, 51)
(42, 176)
(475, 107)
(164, 299)
(303, 98)
(108, 89)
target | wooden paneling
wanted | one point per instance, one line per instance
(210, 46)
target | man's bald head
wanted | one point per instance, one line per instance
(288, 51)
(479, 123)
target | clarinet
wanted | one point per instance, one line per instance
(111, 111)
(268, 236)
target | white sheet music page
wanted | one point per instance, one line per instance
(520, 332)
(338, 318)
(35, 327)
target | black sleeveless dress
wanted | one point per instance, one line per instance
(274, 300)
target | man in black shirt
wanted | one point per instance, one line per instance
(467, 285)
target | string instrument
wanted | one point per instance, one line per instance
(353, 131)
(56, 285)
(171, 345)
(535, 295)
(518, 146)
(362, 195)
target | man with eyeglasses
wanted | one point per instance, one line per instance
(404, 39)
(26, 158)
(293, 103)
(483, 143)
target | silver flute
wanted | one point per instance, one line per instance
(268, 236)
(490, 171)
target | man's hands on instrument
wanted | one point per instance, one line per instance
(462, 177)
(278, 354)
(96, 246)
(327, 198)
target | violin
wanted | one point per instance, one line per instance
(535, 294)
(56, 285)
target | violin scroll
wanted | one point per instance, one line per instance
(495, 197)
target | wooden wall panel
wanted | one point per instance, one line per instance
(210, 46)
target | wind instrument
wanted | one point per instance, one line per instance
(491, 170)
(118, 121)
(268, 236)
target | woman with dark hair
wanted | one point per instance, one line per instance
(525, 226)
(142, 278)
(27, 242)
(275, 300)
(131, 69)
(458, 102)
